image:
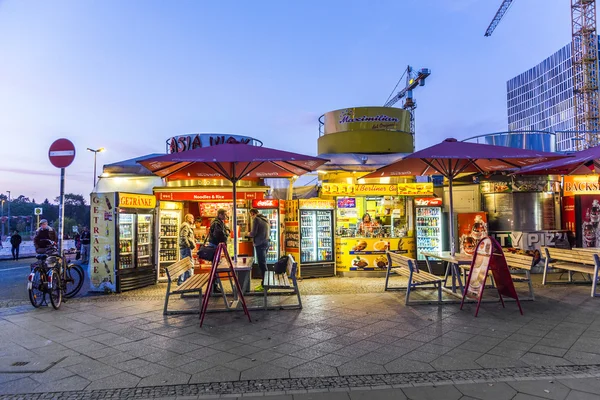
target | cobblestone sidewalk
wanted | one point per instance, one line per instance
(99, 349)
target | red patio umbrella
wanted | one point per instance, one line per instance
(451, 157)
(579, 163)
(232, 162)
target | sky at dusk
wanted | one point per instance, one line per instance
(127, 75)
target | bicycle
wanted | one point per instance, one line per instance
(66, 278)
(42, 280)
(70, 277)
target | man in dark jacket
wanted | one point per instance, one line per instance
(44, 238)
(85, 239)
(218, 233)
(261, 231)
(15, 241)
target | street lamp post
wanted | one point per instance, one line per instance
(8, 229)
(2, 220)
(96, 151)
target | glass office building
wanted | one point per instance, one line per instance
(541, 99)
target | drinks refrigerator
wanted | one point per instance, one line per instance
(316, 250)
(135, 266)
(168, 245)
(273, 210)
(429, 227)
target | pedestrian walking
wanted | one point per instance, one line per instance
(85, 245)
(261, 231)
(15, 242)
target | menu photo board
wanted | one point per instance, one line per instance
(489, 257)
(316, 204)
(102, 263)
(346, 202)
(336, 189)
(415, 189)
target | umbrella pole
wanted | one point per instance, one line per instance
(451, 216)
(235, 236)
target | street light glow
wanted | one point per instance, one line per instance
(96, 151)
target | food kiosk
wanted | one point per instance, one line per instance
(122, 251)
(360, 244)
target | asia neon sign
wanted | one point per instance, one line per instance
(178, 144)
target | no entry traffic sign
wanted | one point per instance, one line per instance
(61, 153)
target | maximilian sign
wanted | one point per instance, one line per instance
(581, 184)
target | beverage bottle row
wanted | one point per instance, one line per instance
(166, 220)
(125, 262)
(428, 221)
(429, 231)
(307, 232)
(324, 242)
(143, 228)
(143, 238)
(125, 246)
(324, 255)
(125, 230)
(426, 212)
(307, 255)
(306, 219)
(168, 243)
(168, 230)
(427, 242)
(168, 255)
(143, 250)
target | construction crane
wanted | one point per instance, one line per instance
(412, 81)
(584, 56)
(499, 14)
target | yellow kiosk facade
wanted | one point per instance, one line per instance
(375, 215)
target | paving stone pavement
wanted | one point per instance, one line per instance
(335, 346)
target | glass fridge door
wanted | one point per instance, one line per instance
(144, 240)
(273, 252)
(429, 231)
(324, 236)
(168, 251)
(308, 232)
(126, 232)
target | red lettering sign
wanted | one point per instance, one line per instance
(266, 203)
(208, 196)
(429, 202)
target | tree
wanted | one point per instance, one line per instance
(21, 199)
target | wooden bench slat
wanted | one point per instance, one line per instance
(407, 267)
(194, 282)
(572, 260)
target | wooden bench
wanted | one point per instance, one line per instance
(573, 260)
(281, 282)
(408, 268)
(514, 261)
(194, 284)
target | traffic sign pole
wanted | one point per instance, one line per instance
(61, 212)
(61, 155)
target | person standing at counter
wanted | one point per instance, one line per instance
(187, 242)
(218, 233)
(261, 231)
(367, 225)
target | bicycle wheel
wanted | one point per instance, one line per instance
(54, 289)
(35, 287)
(73, 280)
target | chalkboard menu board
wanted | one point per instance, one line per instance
(499, 207)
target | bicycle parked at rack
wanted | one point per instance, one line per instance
(52, 272)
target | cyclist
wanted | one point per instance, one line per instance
(44, 238)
